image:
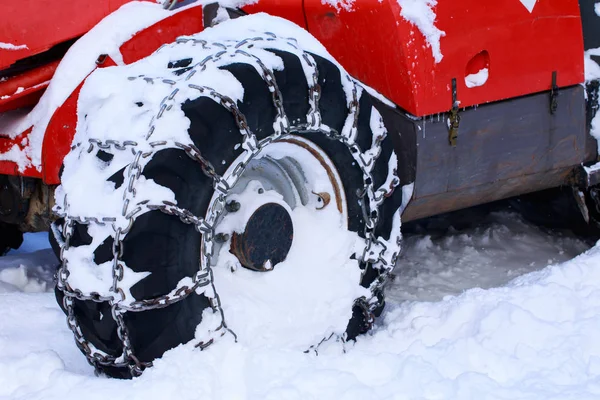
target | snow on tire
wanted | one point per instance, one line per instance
(232, 184)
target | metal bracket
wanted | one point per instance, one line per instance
(553, 94)
(586, 176)
(580, 200)
(454, 119)
(593, 103)
(211, 14)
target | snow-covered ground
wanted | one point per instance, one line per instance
(529, 332)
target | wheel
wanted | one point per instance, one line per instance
(11, 237)
(244, 189)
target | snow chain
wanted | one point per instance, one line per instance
(377, 252)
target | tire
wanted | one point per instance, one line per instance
(121, 342)
(10, 238)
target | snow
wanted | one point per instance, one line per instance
(534, 337)
(529, 4)
(592, 72)
(346, 5)
(477, 79)
(492, 253)
(31, 267)
(317, 270)
(10, 46)
(421, 14)
(591, 68)
(15, 154)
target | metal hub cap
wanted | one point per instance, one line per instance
(266, 240)
(281, 251)
(256, 225)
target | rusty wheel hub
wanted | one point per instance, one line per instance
(255, 229)
(266, 240)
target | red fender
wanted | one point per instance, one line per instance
(61, 130)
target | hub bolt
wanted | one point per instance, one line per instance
(222, 237)
(232, 206)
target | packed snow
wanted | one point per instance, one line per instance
(13, 47)
(340, 4)
(492, 253)
(323, 276)
(489, 312)
(477, 79)
(591, 67)
(421, 13)
(529, 4)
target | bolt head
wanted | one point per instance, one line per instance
(232, 206)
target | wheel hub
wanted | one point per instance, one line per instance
(266, 240)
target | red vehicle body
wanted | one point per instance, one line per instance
(522, 49)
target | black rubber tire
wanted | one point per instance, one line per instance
(11, 237)
(163, 245)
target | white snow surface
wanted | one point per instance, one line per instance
(421, 14)
(529, 4)
(592, 72)
(347, 5)
(591, 68)
(535, 337)
(477, 79)
(317, 272)
(13, 47)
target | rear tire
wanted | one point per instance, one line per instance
(11, 237)
(160, 245)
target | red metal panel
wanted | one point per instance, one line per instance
(26, 88)
(289, 9)
(378, 46)
(11, 168)
(58, 138)
(41, 24)
(61, 130)
(147, 41)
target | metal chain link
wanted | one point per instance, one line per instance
(94, 356)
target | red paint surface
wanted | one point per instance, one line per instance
(289, 9)
(58, 138)
(41, 24)
(379, 47)
(147, 41)
(11, 168)
(30, 85)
